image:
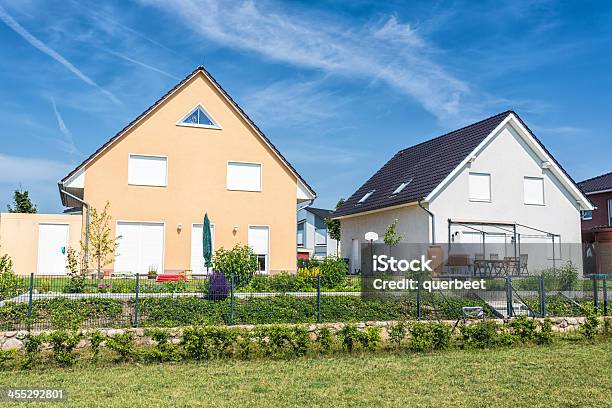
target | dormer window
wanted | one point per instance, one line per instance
(401, 187)
(366, 196)
(198, 117)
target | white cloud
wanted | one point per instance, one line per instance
(36, 43)
(142, 64)
(27, 170)
(390, 51)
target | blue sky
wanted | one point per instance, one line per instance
(338, 86)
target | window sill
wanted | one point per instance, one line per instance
(246, 191)
(475, 200)
(195, 125)
(536, 204)
(148, 185)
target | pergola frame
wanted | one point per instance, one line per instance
(504, 226)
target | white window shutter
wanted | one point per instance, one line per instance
(148, 170)
(480, 186)
(243, 176)
(533, 190)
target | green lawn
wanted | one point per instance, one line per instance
(564, 375)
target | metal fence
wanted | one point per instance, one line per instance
(56, 302)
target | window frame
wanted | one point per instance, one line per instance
(303, 225)
(583, 215)
(244, 162)
(214, 126)
(267, 260)
(480, 200)
(158, 156)
(543, 193)
(610, 212)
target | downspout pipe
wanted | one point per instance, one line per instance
(433, 221)
(86, 206)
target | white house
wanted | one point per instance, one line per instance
(491, 182)
(313, 240)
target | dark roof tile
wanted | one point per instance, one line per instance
(599, 183)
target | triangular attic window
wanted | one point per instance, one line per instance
(200, 118)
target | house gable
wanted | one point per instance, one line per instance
(304, 191)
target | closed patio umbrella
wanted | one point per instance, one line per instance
(206, 243)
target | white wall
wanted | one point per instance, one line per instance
(309, 233)
(413, 224)
(508, 159)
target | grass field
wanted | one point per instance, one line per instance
(563, 375)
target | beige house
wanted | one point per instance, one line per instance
(194, 151)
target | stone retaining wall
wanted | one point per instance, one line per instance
(14, 339)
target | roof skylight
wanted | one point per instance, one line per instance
(366, 196)
(401, 187)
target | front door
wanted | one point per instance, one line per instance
(52, 248)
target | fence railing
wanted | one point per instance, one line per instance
(52, 302)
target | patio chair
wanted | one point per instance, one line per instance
(523, 264)
(494, 257)
(511, 265)
(480, 267)
(459, 264)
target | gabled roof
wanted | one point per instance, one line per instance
(429, 165)
(157, 103)
(597, 184)
(320, 212)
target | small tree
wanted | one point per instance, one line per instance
(333, 226)
(391, 237)
(102, 245)
(240, 260)
(22, 203)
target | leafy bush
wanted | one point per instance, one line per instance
(523, 327)
(32, 345)
(95, 340)
(240, 260)
(76, 272)
(421, 337)
(480, 335)
(333, 272)
(217, 287)
(563, 278)
(545, 335)
(590, 328)
(281, 341)
(441, 334)
(123, 344)
(63, 344)
(397, 332)
(370, 337)
(164, 349)
(325, 339)
(203, 343)
(350, 337)
(10, 284)
(5, 356)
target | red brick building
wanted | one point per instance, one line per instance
(597, 224)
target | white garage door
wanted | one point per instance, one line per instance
(197, 260)
(52, 248)
(141, 247)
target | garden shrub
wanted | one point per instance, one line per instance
(563, 278)
(544, 336)
(441, 334)
(10, 284)
(397, 332)
(370, 337)
(421, 337)
(76, 272)
(164, 349)
(350, 337)
(63, 344)
(123, 344)
(590, 328)
(6, 356)
(240, 261)
(281, 341)
(218, 288)
(523, 327)
(480, 335)
(95, 340)
(32, 346)
(325, 340)
(203, 343)
(333, 272)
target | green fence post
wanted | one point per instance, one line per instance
(509, 311)
(136, 304)
(542, 297)
(231, 321)
(595, 293)
(319, 298)
(605, 296)
(418, 299)
(30, 291)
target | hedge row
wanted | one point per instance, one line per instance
(283, 341)
(65, 313)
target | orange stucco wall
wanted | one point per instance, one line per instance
(197, 171)
(19, 237)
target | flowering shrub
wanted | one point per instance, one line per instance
(217, 287)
